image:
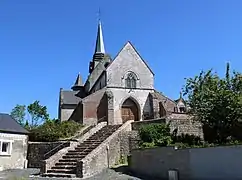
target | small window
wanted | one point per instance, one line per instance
(130, 81)
(5, 147)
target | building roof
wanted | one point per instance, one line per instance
(99, 41)
(8, 124)
(70, 97)
(78, 83)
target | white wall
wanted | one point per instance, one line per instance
(18, 156)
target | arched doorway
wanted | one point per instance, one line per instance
(129, 110)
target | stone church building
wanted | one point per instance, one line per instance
(116, 90)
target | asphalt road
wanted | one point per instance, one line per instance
(26, 174)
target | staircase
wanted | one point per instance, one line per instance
(66, 166)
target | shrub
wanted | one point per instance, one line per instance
(187, 139)
(155, 135)
(53, 131)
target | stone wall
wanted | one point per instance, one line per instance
(37, 150)
(92, 107)
(105, 155)
(180, 122)
(129, 60)
(195, 163)
(50, 162)
(18, 151)
(138, 96)
(183, 124)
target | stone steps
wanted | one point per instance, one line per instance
(66, 166)
(65, 163)
(59, 175)
(64, 171)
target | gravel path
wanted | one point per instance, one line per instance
(108, 174)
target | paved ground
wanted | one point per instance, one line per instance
(108, 174)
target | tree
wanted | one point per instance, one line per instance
(38, 113)
(216, 102)
(18, 113)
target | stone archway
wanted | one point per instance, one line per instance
(129, 110)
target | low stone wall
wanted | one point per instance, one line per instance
(37, 150)
(183, 124)
(104, 156)
(190, 164)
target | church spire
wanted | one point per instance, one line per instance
(99, 41)
(78, 83)
(99, 48)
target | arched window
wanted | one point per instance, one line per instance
(130, 81)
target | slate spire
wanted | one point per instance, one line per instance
(78, 83)
(99, 53)
(99, 41)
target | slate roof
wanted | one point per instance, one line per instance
(168, 104)
(8, 124)
(78, 83)
(69, 97)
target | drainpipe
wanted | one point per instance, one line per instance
(107, 148)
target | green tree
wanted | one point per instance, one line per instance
(216, 102)
(18, 113)
(38, 113)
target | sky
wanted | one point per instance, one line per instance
(44, 44)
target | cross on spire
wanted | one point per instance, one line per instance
(99, 14)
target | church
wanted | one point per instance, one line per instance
(116, 90)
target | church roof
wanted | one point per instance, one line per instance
(99, 41)
(8, 124)
(78, 82)
(70, 98)
(168, 103)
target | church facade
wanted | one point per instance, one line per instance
(116, 90)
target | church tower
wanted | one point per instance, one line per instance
(99, 52)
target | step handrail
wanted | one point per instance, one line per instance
(60, 146)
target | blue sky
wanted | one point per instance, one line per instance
(45, 43)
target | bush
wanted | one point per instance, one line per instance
(187, 139)
(53, 131)
(155, 135)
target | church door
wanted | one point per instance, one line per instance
(129, 111)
